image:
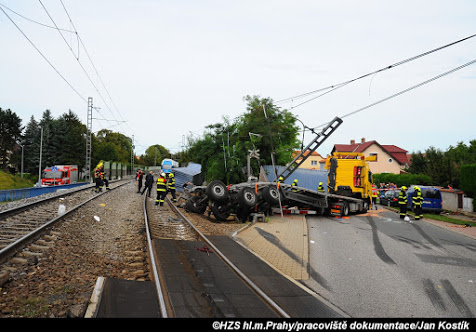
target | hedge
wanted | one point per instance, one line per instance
(399, 180)
(468, 179)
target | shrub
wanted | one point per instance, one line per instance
(406, 179)
(468, 179)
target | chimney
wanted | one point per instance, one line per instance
(352, 141)
(363, 140)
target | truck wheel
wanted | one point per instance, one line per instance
(366, 206)
(271, 195)
(193, 207)
(345, 209)
(217, 191)
(220, 212)
(247, 197)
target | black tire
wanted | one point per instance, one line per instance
(345, 209)
(247, 197)
(217, 191)
(243, 214)
(193, 207)
(271, 195)
(219, 211)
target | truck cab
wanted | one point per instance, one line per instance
(349, 175)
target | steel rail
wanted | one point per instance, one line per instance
(248, 281)
(31, 204)
(160, 294)
(14, 247)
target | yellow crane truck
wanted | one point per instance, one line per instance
(349, 187)
(350, 177)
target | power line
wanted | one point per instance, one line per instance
(340, 85)
(405, 90)
(33, 21)
(44, 57)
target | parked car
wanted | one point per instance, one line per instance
(432, 201)
(390, 198)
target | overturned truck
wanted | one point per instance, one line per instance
(349, 188)
(241, 199)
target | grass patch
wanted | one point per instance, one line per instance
(441, 218)
(9, 181)
(449, 219)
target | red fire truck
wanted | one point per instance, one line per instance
(59, 174)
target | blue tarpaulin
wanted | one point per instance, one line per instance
(307, 178)
(191, 173)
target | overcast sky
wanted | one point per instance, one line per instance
(173, 67)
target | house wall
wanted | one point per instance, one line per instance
(308, 162)
(450, 200)
(383, 163)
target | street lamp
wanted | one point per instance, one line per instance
(22, 146)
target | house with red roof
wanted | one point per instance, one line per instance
(389, 158)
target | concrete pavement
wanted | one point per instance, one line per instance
(282, 243)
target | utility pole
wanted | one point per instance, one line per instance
(132, 155)
(41, 151)
(89, 130)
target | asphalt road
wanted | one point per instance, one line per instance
(376, 265)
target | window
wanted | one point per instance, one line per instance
(390, 160)
(314, 162)
(373, 154)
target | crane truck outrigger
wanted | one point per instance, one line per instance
(349, 187)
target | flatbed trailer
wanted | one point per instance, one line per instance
(325, 203)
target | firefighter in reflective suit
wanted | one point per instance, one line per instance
(320, 188)
(417, 201)
(402, 202)
(103, 178)
(171, 187)
(161, 189)
(97, 180)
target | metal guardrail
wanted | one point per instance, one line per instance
(16, 194)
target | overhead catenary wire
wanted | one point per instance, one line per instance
(43, 56)
(342, 84)
(403, 91)
(77, 58)
(76, 55)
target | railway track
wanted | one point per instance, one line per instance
(184, 288)
(23, 224)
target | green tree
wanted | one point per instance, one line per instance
(10, 134)
(31, 143)
(155, 154)
(223, 149)
(111, 146)
(70, 139)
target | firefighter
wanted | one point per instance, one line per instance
(294, 186)
(417, 201)
(161, 189)
(402, 202)
(280, 180)
(102, 175)
(97, 180)
(374, 195)
(171, 187)
(321, 188)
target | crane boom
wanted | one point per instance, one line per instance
(311, 147)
